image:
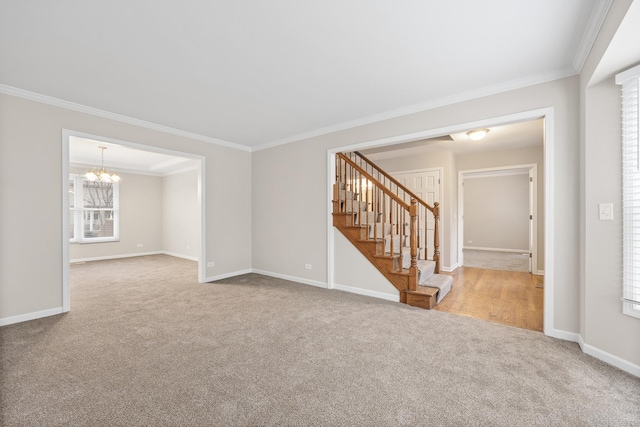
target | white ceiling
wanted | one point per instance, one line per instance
(506, 137)
(84, 152)
(259, 73)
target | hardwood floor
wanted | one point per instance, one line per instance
(506, 297)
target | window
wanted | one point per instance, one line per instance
(94, 210)
(630, 191)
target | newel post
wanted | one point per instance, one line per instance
(413, 232)
(436, 236)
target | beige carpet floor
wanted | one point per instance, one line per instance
(145, 345)
(496, 260)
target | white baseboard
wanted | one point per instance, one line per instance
(562, 335)
(30, 316)
(291, 278)
(367, 292)
(449, 269)
(102, 258)
(539, 273)
(173, 254)
(476, 248)
(609, 358)
(227, 275)
(107, 257)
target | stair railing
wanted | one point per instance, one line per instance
(423, 208)
(382, 197)
(377, 210)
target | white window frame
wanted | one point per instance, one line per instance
(630, 82)
(79, 211)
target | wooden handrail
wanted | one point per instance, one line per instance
(377, 183)
(395, 181)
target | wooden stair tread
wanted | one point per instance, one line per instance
(425, 290)
(403, 272)
(384, 256)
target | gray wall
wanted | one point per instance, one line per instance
(360, 274)
(606, 332)
(289, 186)
(181, 215)
(520, 156)
(140, 220)
(161, 213)
(30, 138)
(496, 212)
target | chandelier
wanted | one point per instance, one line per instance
(101, 174)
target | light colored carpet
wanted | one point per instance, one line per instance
(494, 260)
(146, 345)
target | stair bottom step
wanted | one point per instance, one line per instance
(431, 292)
(424, 297)
(441, 282)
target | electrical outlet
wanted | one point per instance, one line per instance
(188, 247)
(139, 245)
(307, 266)
(211, 264)
(605, 211)
(469, 241)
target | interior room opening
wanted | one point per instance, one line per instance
(140, 201)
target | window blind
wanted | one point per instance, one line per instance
(630, 80)
(94, 210)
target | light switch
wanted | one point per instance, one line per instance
(605, 211)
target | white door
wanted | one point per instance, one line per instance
(426, 185)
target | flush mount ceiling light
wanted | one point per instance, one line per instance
(101, 174)
(477, 134)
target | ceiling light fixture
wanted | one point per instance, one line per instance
(477, 134)
(101, 174)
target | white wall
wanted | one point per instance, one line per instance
(30, 139)
(181, 215)
(290, 187)
(496, 212)
(140, 220)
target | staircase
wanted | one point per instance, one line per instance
(389, 225)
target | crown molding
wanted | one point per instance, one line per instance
(133, 171)
(32, 96)
(430, 105)
(417, 108)
(596, 19)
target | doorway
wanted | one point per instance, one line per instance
(409, 143)
(498, 248)
(132, 159)
(498, 213)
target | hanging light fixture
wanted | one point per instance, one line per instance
(477, 134)
(101, 174)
